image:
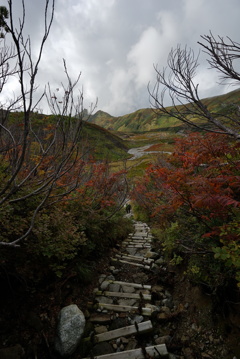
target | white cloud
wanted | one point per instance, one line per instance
(142, 56)
(114, 43)
(153, 47)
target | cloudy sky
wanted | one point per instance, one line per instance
(114, 44)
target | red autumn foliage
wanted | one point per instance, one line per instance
(202, 178)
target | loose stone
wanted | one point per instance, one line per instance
(163, 340)
(100, 329)
(127, 289)
(113, 287)
(104, 300)
(137, 319)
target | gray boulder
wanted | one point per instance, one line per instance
(71, 324)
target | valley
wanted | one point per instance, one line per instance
(119, 235)
(82, 236)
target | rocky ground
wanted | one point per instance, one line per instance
(189, 323)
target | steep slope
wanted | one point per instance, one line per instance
(103, 144)
(146, 119)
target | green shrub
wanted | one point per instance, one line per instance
(56, 237)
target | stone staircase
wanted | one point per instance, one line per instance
(121, 315)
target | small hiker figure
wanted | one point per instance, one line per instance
(128, 208)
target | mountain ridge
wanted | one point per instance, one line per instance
(145, 119)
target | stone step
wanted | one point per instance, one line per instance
(131, 263)
(124, 295)
(125, 308)
(140, 233)
(113, 286)
(155, 351)
(134, 285)
(135, 245)
(137, 241)
(135, 258)
(145, 236)
(140, 226)
(143, 327)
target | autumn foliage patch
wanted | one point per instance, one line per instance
(71, 228)
(194, 198)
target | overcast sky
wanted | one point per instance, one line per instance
(114, 43)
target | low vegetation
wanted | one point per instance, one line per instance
(193, 200)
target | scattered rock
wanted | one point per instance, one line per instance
(154, 308)
(165, 310)
(114, 287)
(71, 324)
(130, 302)
(132, 344)
(100, 329)
(128, 289)
(124, 340)
(152, 255)
(137, 319)
(157, 289)
(159, 261)
(102, 278)
(168, 303)
(163, 340)
(104, 300)
(104, 285)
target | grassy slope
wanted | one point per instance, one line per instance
(104, 144)
(97, 142)
(146, 120)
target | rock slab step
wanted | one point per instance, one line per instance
(156, 351)
(124, 295)
(125, 308)
(143, 327)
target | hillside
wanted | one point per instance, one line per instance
(146, 120)
(103, 144)
(97, 142)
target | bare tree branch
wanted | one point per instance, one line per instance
(37, 156)
(177, 81)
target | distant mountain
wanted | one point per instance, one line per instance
(146, 119)
(102, 119)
